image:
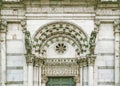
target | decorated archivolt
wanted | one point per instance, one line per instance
(60, 32)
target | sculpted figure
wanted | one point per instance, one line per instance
(92, 41)
(28, 42)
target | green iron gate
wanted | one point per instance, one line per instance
(60, 81)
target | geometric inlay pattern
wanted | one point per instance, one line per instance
(60, 32)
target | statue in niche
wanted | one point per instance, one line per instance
(28, 42)
(92, 41)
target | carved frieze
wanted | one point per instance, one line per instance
(60, 70)
(107, 12)
(61, 9)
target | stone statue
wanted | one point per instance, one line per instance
(92, 41)
(28, 42)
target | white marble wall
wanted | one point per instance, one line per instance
(15, 55)
(105, 55)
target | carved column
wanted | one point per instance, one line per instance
(117, 51)
(91, 59)
(3, 30)
(29, 60)
(36, 72)
(82, 63)
(81, 73)
(42, 79)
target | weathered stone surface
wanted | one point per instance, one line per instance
(60, 42)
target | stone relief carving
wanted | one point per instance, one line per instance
(29, 58)
(116, 25)
(28, 42)
(92, 41)
(93, 37)
(44, 38)
(3, 25)
(60, 48)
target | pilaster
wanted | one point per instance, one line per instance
(3, 30)
(117, 51)
(29, 60)
(91, 60)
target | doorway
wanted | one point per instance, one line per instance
(60, 81)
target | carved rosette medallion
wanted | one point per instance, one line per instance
(60, 48)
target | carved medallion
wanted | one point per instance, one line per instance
(60, 48)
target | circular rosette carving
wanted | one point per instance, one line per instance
(60, 48)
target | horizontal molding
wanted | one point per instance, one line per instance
(15, 40)
(105, 39)
(15, 54)
(102, 54)
(106, 83)
(16, 68)
(106, 67)
(14, 82)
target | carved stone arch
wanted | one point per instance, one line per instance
(60, 29)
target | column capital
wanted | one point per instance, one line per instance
(82, 62)
(38, 62)
(24, 25)
(29, 58)
(97, 24)
(91, 59)
(3, 26)
(117, 26)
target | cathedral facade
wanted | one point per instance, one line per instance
(60, 43)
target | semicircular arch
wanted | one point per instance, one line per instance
(56, 30)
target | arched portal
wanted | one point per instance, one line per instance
(58, 48)
(60, 39)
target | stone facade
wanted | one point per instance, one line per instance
(59, 38)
